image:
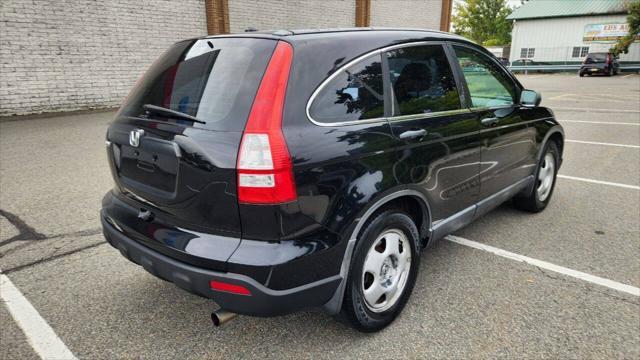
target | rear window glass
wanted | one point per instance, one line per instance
(422, 80)
(354, 94)
(213, 80)
(597, 56)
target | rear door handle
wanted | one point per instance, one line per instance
(490, 121)
(412, 134)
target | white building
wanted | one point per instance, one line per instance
(564, 31)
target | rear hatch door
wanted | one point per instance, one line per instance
(174, 142)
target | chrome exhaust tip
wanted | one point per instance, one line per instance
(219, 317)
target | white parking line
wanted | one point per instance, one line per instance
(40, 335)
(594, 109)
(600, 122)
(603, 143)
(548, 266)
(634, 187)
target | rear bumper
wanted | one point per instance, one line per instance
(263, 301)
(595, 69)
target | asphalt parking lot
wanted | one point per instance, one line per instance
(469, 302)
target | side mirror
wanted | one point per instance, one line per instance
(530, 98)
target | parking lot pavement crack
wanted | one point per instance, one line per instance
(29, 242)
(51, 258)
(25, 232)
(587, 287)
(81, 233)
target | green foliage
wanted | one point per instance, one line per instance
(483, 21)
(633, 19)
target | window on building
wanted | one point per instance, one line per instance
(575, 52)
(422, 80)
(584, 51)
(524, 52)
(527, 53)
(488, 84)
(532, 52)
(579, 51)
(355, 94)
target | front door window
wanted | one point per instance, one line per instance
(488, 85)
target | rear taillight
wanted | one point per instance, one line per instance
(265, 171)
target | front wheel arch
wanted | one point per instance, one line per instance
(558, 138)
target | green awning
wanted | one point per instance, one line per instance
(537, 9)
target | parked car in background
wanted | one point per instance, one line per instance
(278, 171)
(531, 63)
(599, 63)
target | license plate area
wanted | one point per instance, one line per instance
(154, 164)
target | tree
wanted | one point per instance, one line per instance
(483, 21)
(633, 19)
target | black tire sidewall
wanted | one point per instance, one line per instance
(363, 318)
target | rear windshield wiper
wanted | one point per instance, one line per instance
(173, 113)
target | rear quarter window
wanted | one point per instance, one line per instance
(355, 93)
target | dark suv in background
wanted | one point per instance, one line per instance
(277, 171)
(599, 63)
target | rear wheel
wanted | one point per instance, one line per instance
(383, 271)
(545, 181)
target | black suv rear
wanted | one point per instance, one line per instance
(278, 171)
(599, 63)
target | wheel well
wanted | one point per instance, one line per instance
(557, 138)
(413, 207)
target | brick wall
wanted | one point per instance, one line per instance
(80, 54)
(406, 13)
(64, 55)
(290, 14)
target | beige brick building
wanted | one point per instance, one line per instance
(70, 55)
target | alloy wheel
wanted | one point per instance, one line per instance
(386, 270)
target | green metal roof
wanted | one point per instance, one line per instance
(536, 9)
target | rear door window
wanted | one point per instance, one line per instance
(355, 93)
(422, 80)
(488, 84)
(213, 80)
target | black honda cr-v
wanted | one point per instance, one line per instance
(277, 171)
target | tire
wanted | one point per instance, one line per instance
(540, 194)
(398, 270)
(581, 74)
